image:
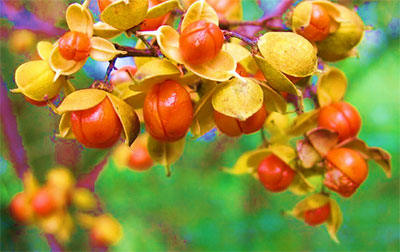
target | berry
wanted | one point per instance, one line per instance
(104, 3)
(74, 46)
(233, 127)
(39, 103)
(140, 159)
(43, 202)
(150, 24)
(123, 74)
(317, 216)
(168, 111)
(346, 170)
(20, 208)
(318, 29)
(342, 118)
(274, 174)
(200, 42)
(97, 127)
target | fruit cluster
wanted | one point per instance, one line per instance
(206, 74)
(57, 205)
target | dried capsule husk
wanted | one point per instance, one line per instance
(289, 53)
(87, 98)
(341, 44)
(35, 80)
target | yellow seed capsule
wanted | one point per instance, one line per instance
(341, 44)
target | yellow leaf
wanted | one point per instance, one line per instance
(249, 161)
(64, 127)
(82, 99)
(121, 155)
(62, 66)
(165, 153)
(341, 43)
(84, 200)
(44, 49)
(272, 100)
(284, 152)
(163, 8)
(108, 228)
(277, 125)
(168, 40)
(220, 68)
(79, 19)
(199, 10)
(153, 72)
(335, 220)
(35, 79)
(237, 98)
(103, 50)
(237, 51)
(300, 185)
(85, 220)
(289, 53)
(128, 117)
(140, 61)
(105, 30)
(331, 86)
(52, 223)
(124, 15)
(203, 120)
(304, 122)
(64, 233)
(311, 202)
(274, 77)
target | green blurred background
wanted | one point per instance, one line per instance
(200, 207)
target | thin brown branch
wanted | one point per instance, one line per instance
(134, 52)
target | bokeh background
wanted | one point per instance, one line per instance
(200, 207)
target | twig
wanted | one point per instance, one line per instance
(134, 52)
(110, 67)
(231, 34)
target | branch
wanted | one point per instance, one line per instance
(134, 52)
(10, 131)
(231, 34)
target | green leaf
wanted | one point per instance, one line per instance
(238, 98)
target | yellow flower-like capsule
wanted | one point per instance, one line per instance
(72, 50)
(219, 67)
(61, 178)
(95, 118)
(341, 44)
(36, 80)
(289, 53)
(106, 231)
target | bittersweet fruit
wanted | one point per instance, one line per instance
(342, 118)
(168, 111)
(123, 74)
(233, 127)
(318, 29)
(317, 216)
(104, 3)
(21, 209)
(106, 231)
(200, 42)
(140, 159)
(75, 46)
(346, 170)
(44, 202)
(274, 174)
(97, 127)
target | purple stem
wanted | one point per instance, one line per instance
(88, 180)
(54, 245)
(10, 131)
